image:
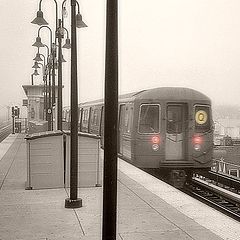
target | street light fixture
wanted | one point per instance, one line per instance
(35, 73)
(63, 60)
(39, 20)
(38, 43)
(38, 57)
(67, 44)
(35, 65)
(79, 21)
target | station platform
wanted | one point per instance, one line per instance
(148, 209)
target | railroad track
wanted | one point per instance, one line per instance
(219, 191)
(5, 130)
(231, 183)
(218, 197)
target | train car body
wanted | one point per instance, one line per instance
(169, 129)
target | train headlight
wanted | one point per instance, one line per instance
(156, 139)
(197, 140)
(155, 147)
(197, 147)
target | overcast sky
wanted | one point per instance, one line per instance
(189, 43)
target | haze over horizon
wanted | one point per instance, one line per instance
(186, 43)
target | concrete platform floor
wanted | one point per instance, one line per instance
(155, 213)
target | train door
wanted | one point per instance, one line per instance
(176, 132)
(122, 111)
(125, 130)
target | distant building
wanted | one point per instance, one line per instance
(227, 127)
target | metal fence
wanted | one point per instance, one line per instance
(226, 168)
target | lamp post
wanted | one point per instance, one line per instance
(51, 68)
(76, 21)
(74, 201)
(60, 35)
(44, 76)
(48, 87)
(59, 106)
(39, 20)
(45, 73)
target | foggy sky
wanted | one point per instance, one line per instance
(189, 43)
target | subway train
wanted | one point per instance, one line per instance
(167, 129)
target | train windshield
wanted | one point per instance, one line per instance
(202, 118)
(174, 119)
(149, 118)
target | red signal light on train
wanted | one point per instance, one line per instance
(197, 139)
(155, 139)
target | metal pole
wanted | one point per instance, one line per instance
(32, 78)
(45, 97)
(59, 107)
(110, 123)
(53, 85)
(74, 201)
(13, 124)
(49, 111)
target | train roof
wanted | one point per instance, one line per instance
(162, 93)
(173, 94)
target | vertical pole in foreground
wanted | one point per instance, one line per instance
(59, 106)
(74, 201)
(110, 123)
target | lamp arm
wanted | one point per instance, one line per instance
(40, 5)
(50, 33)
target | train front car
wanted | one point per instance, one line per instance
(173, 132)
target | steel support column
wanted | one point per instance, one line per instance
(110, 123)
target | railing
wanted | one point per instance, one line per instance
(230, 169)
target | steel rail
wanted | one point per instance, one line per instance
(220, 199)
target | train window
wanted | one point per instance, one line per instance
(128, 119)
(174, 119)
(149, 118)
(64, 116)
(80, 115)
(68, 116)
(202, 118)
(122, 113)
(95, 117)
(85, 116)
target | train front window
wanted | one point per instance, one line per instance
(174, 119)
(202, 118)
(149, 118)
